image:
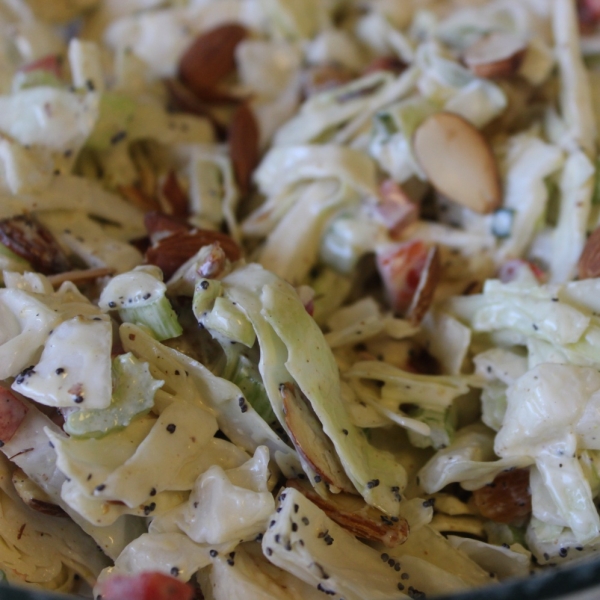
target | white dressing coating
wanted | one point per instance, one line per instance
(163, 551)
(30, 450)
(86, 65)
(252, 573)
(539, 423)
(57, 119)
(140, 287)
(94, 244)
(319, 563)
(470, 460)
(75, 367)
(90, 146)
(229, 506)
(175, 440)
(26, 325)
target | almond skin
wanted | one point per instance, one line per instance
(174, 196)
(507, 498)
(80, 276)
(29, 239)
(589, 262)
(385, 63)
(324, 77)
(159, 223)
(170, 252)
(495, 55)
(310, 440)
(138, 198)
(243, 146)
(458, 161)
(182, 99)
(430, 277)
(210, 58)
(352, 513)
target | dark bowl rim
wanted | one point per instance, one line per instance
(556, 582)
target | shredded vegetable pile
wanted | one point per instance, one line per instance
(299, 299)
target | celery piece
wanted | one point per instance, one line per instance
(157, 316)
(440, 423)
(205, 294)
(248, 379)
(228, 320)
(133, 396)
(116, 115)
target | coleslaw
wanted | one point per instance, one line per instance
(298, 299)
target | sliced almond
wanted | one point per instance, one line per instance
(310, 440)
(182, 99)
(320, 78)
(385, 63)
(428, 282)
(160, 224)
(139, 198)
(354, 514)
(29, 239)
(174, 196)
(210, 58)
(33, 496)
(589, 262)
(80, 276)
(243, 146)
(170, 252)
(458, 161)
(497, 54)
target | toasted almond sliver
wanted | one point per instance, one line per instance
(589, 262)
(458, 161)
(211, 57)
(28, 238)
(352, 513)
(33, 496)
(495, 55)
(325, 77)
(430, 277)
(243, 145)
(311, 441)
(80, 276)
(171, 251)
